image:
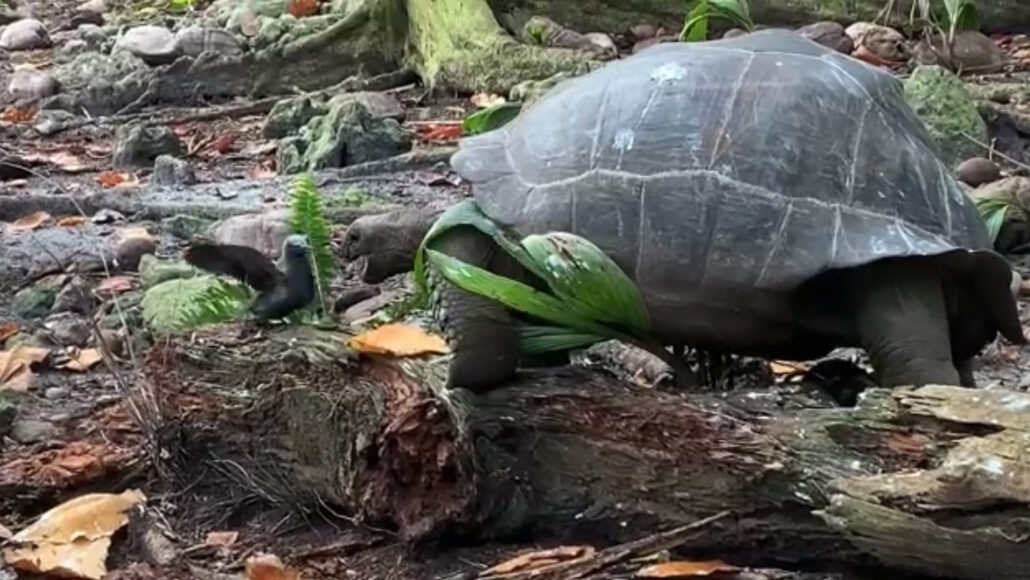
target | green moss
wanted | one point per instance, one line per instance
(941, 100)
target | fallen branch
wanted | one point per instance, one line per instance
(912, 480)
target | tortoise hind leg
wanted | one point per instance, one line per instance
(481, 333)
(902, 321)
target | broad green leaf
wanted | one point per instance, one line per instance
(541, 339)
(695, 29)
(995, 220)
(514, 295)
(962, 15)
(591, 283)
(490, 118)
(736, 11)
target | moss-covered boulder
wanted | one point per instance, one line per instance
(33, 302)
(941, 100)
(175, 306)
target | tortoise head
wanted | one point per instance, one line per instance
(387, 242)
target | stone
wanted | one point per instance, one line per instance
(99, 6)
(28, 431)
(264, 232)
(29, 84)
(33, 302)
(67, 329)
(733, 33)
(196, 40)
(878, 41)
(977, 171)
(76, 296)
(171, 170)
(155, 45)
(971, 52)
(50, 121)
(165, 305)
(602, 42)
(112, 340)
(185, 226)
(25, 34)
(941, 101)
(349, 133)
(131, 249)
(94, 36)
(648, 42)
(829, 34)
(139, 146)
(83, 17)
(289, 115)
(53, 393)
(382, 105)
(352, 296)
(642, 31)
(153, 271)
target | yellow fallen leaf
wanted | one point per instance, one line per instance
(268, 567)
(540, 559)
(83, 360)
(16, 366)
(685, 569)
(73, 538)
(221, 538)
(398, 340)
(787, 368)
(78, 559)
(28, 222)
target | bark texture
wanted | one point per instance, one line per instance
(933, 480)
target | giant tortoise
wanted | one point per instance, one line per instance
(769, 196)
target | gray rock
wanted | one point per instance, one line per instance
(289, 115)
(7, 414)
(971, 52)
(265, 231)
(83, 17)
(76, 296)
(33, 302)
(349, 133)
(139, 146)
(29, 84)
(25, 34)
(829, 34)
(71, 49)
(94, 36)
(381, 105)
(977, 171)
(153, 271)
(55, 393)
(67, 329)
(50, 121)
(93, 6)
(154, 44)
(28, 431)
(602, 42)
(185, 226)
(170, 170)
(196, 40)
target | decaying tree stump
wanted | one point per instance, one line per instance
(934, 480)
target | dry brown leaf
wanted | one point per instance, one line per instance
(63, 160)
(114, 179)
(16, 366)
(72, 221)
(73, 538)
(16, 116)
(685, 569)
(486, 100)
(268, 567)
(302, 8)
(83, 360)
(115, 285)
(29, 222)
(540, 559)
(787, 368)
(398, 340)
(221, 538)
(137, 232)
(8, 330)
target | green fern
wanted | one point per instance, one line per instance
(308, 218)
(182, 304)
(222, 302)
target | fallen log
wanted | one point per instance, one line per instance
(933, 480)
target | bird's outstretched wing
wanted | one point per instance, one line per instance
(241, 262)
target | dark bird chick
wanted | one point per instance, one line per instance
(280, 293)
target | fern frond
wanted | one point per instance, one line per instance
(221, 302)
(308, 218)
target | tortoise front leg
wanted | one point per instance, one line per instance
(481, 333)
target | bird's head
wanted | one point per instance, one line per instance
(296, 246)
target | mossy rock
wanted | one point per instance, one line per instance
(153, 271)
(941, 100)
(168, 307)
(33, 302)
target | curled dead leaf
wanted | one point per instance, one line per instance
(82, 360)
(8, 330)
(72, 221)
(17, 116)
(398, 340)
(73, 538)
(16, 366)
(115, 285)
(29, 222)
(268, 567)
(686, 569)
(114, 179)
(223, 539)
(778, 368)
(539, 560)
